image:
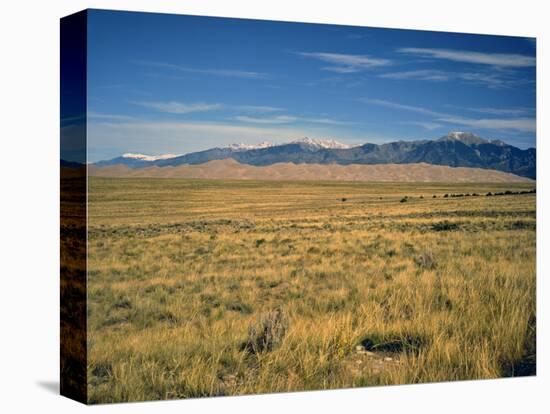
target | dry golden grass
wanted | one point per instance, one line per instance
(73, 284)
(184, 275)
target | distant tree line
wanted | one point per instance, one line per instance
(490, 194)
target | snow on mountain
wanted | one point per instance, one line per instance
(322, 143)
(465, 137)
(245, 147)
(144, 157)
(459, 134)
(237, 147)
(312, 142)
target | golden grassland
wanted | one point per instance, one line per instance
(204, 288)
(73, 285)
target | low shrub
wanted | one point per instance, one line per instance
(268, 333)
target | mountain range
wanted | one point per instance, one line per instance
(456, 149)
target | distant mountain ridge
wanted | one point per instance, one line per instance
(456, 149)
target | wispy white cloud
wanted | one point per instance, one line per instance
(174, 107)
(248, 113)
(68, 120)
(491, 80)
(287, 119)
(517, 124)
(396, 105)
(523, 124)
(344, 63)
(502, 111)
(465, 56)
(427, 75)
(498, 111)
(495, 80)
(231, 73)
(178, 107)
(327, 121)
(258, 108)
(110, 117)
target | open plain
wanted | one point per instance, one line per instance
(215, 287)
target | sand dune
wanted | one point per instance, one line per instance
(231, 169)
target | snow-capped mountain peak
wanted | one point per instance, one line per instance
(144, 157)
(465, 137)
(498, 142)
(245, 147)
(458, 134)
(322, 143)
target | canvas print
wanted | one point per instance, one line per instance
(257, 206)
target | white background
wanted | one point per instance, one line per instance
(29, 235)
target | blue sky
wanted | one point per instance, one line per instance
(161, 83)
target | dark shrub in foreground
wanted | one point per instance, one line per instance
(268, 333)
